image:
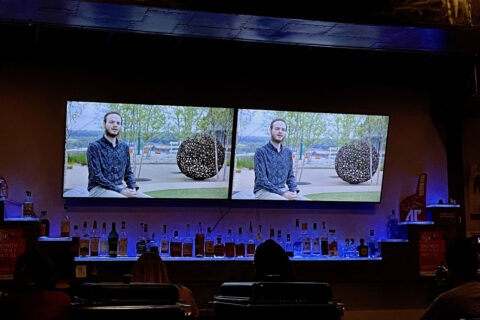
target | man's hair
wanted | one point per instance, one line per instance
(278, 119)
(463, 259)
(109, 113)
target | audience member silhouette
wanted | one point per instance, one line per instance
(36, 296)
(150, 268)
(463, 301)
(272, 263)
(64, 269)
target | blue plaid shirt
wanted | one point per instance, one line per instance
(109, 166)
(274, 169)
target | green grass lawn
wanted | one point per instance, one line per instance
(210, 193)
(367, 196)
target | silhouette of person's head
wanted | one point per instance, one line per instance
(150, 268)
(462, 261)
(34, 269)
(272, 263)
(64, 266)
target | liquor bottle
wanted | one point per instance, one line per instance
(123, 241)
(229, 245)
(344, 249)
(306, 242)
(27, 206)
(84, 243)
(209, 244)
(141, 245)
(104, 241)
(164, 242)
(392, 226)
(373, 245)
(94, 240)
(44, 224)
(113, 242)
(279, 239)
(324, 240)
(219, 248)
(333, 245)
(145, 235)
(199, 242)
(272, 234)
(297, 240)
(353, 249)
(316, 249)
(65, 224)
(175, 245)
(362, 249)
(250, 242)
(289, 246)
(75, 241)
(259, 235)
(152, 246)
(187, 243)
(240, 244)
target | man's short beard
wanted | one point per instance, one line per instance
(108, 134)
(276, 140)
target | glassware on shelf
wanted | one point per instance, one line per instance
(219, 248)
(103, 251)
(94, 240)
(187, 243)
(27, 206)
(65, 224)
(199, 242)
(123, 241)
(113, 242)
(175, 245)
(44, 224)
(209, 244)
(164, 243)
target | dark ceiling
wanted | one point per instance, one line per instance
(174, 37)
(373, 25)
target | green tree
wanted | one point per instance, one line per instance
(74, 110)
(184, 121)
(303, 130)
(345, 128)
(140, 124)
(218, 124)
(373, 130)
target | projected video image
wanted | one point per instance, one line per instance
(116, 150)
(304, 156)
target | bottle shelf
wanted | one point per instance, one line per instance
(415, 223)
(205, 259)
(443, 205)
(53, 239)
(394, 240)
(21, 219)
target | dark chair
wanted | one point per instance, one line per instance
(113, 300)
(271, 300)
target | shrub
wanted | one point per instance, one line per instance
(245, 163)
(77, 157)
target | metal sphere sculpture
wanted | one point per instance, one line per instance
(196, 157)
(352, 162)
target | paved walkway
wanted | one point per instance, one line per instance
(319, 181)
(163, 177)
(168, 176)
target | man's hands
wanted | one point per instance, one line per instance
(290, 195)
(129, 193)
